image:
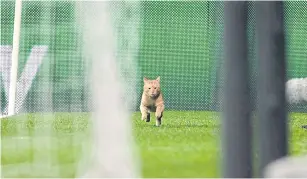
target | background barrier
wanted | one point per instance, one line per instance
(179, 41)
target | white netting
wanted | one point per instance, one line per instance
(75, 58)
(80, 75)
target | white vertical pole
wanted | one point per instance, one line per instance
(15, 53)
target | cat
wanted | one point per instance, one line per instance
(152, 100)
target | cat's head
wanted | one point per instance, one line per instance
(152, 87)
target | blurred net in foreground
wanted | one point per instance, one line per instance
(74, 57)
(64, 43)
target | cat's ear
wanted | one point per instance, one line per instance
(158, 79)
(145, 79)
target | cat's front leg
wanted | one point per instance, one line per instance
(159, 114)
(145, 113)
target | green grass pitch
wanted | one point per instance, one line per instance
(186, 145)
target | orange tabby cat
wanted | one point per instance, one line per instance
(152, 100)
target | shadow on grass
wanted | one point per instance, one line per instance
(188, 125)
(146, 125)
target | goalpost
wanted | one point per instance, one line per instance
(15, 55)
(14, 60)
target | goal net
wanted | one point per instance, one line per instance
(80, 70)
(77, 69)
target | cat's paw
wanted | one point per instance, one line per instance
(158, 123)
(143, 117)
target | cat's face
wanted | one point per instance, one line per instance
(152, 87)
